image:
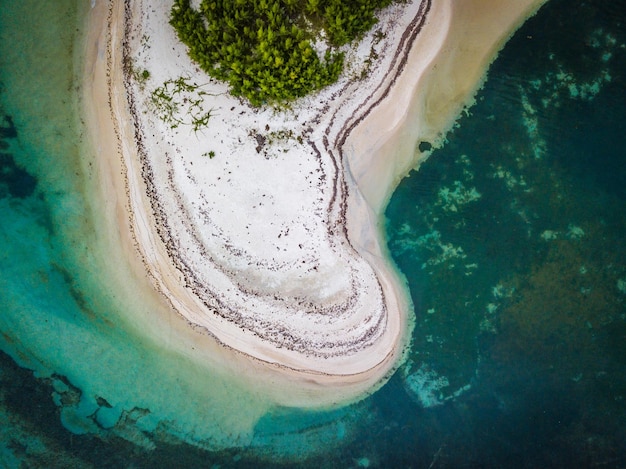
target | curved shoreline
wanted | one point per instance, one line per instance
(295, 344)
(351, 230)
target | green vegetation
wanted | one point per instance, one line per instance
(263, 48)
(181, 102)
(345, 20)
(140, 76)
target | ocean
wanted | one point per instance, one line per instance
(511, 237)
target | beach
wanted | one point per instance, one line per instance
(262, 233)
(510, 234)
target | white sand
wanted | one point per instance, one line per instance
(277, 255)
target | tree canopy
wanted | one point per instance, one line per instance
(264, 49)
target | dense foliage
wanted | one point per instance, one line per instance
(263, 48)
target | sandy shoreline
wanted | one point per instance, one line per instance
(276, 256)
(359, 307)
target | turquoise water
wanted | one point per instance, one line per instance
(511, 237)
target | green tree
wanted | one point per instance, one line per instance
(263, 49)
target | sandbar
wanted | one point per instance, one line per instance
(263, 232)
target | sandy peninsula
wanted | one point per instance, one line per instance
(263, 229)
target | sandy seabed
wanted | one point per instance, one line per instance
(262, 233)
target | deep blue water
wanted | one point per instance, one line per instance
(511, 237)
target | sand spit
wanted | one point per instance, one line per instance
(262, 230)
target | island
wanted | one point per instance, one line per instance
(261, 225)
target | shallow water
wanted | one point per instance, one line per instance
(511, 237)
